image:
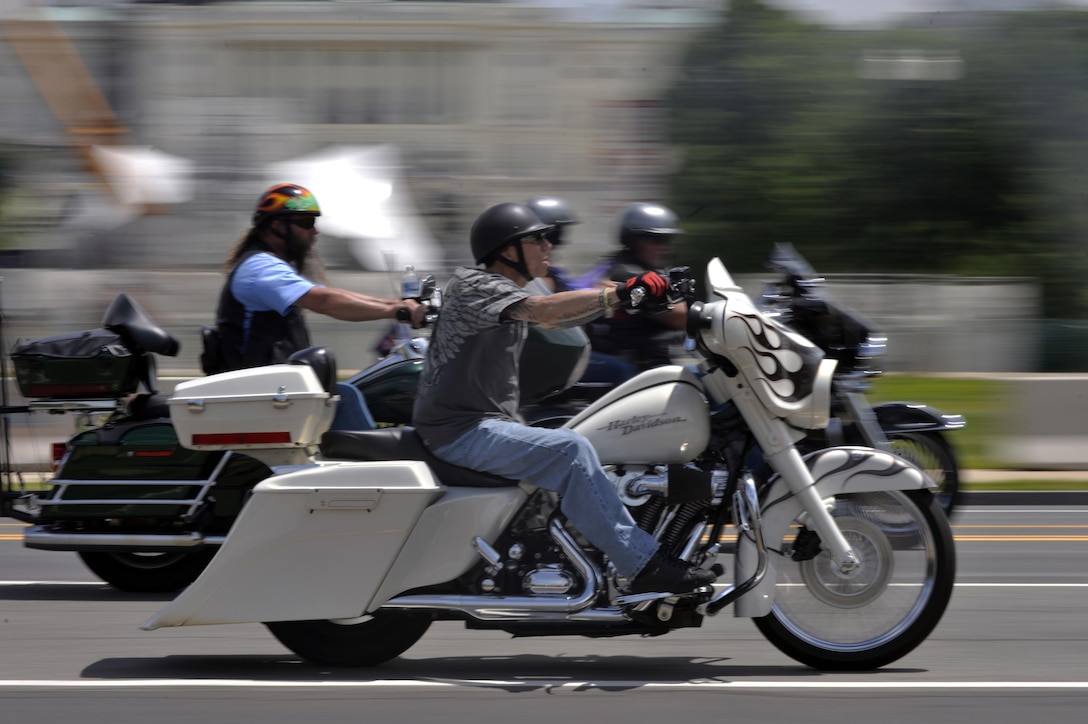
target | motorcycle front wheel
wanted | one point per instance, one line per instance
(871, 616)
(368, 641)
(148, 572)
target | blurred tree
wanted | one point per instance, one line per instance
(786, 138)
(7, 181)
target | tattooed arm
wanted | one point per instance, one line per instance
(563, 310)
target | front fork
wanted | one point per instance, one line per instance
(861, 412)
(775, 438)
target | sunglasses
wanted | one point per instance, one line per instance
(304, 222)
(534, 239)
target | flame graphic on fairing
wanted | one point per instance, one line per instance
(789, 366)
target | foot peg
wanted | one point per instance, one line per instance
(700, 593)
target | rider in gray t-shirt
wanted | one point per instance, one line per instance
(467, 408)
(472, 365)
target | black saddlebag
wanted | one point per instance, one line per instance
(89, 365)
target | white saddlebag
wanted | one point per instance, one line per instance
(312, 544)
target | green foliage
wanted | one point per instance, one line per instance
(7, 170)
(786, 139)
(983, 402)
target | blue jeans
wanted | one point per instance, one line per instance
(563, 462)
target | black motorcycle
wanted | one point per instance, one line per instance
(915, 431)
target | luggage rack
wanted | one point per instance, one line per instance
(12, 488)
(49, 512)
(59, 406)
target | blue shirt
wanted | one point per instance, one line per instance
(264, 282)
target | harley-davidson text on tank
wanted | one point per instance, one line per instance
(628, 425)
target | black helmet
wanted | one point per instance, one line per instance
(554, 211)
(641, 219)
(499, 226)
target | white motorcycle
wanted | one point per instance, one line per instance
(349, 555)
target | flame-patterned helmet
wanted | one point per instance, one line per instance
(285, 199)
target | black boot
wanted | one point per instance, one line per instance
(663, 574)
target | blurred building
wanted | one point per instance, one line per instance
(486, 102)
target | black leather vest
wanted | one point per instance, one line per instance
(272, 337)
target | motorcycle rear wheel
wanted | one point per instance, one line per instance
(872, 616)
(932, 453)
(377, 638)
(148, 572)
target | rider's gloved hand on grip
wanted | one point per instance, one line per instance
(648, 289)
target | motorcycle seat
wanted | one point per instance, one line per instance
(146, 406)
(402, 443)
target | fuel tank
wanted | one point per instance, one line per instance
(658, 417)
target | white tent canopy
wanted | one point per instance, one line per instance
(363, 201)
(143, 176)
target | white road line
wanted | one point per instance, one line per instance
(1073, 510)
(534, 684)
(103, 584)
(1021, 585)
(53, 583)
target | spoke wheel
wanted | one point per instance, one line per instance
(866, 618)
(366, 641)
(932, 453)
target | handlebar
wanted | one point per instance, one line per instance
(681, 285)
(430, 297)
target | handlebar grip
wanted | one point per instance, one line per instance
(403, 315)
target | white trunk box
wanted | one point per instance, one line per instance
(278, 406)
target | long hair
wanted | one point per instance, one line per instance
(309, 265)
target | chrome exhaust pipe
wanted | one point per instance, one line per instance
(524, 608)
(43, 538)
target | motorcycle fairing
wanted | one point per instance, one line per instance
(836, 471)
(321, 544)
(790, 375)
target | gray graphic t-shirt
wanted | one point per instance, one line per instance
(471, 371)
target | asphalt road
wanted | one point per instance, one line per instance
(1011, 647)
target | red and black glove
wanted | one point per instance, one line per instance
(646, 291)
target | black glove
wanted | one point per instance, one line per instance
(647, 290)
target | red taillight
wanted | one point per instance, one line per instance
(60, 449)
(243, 438)
(152, 453)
